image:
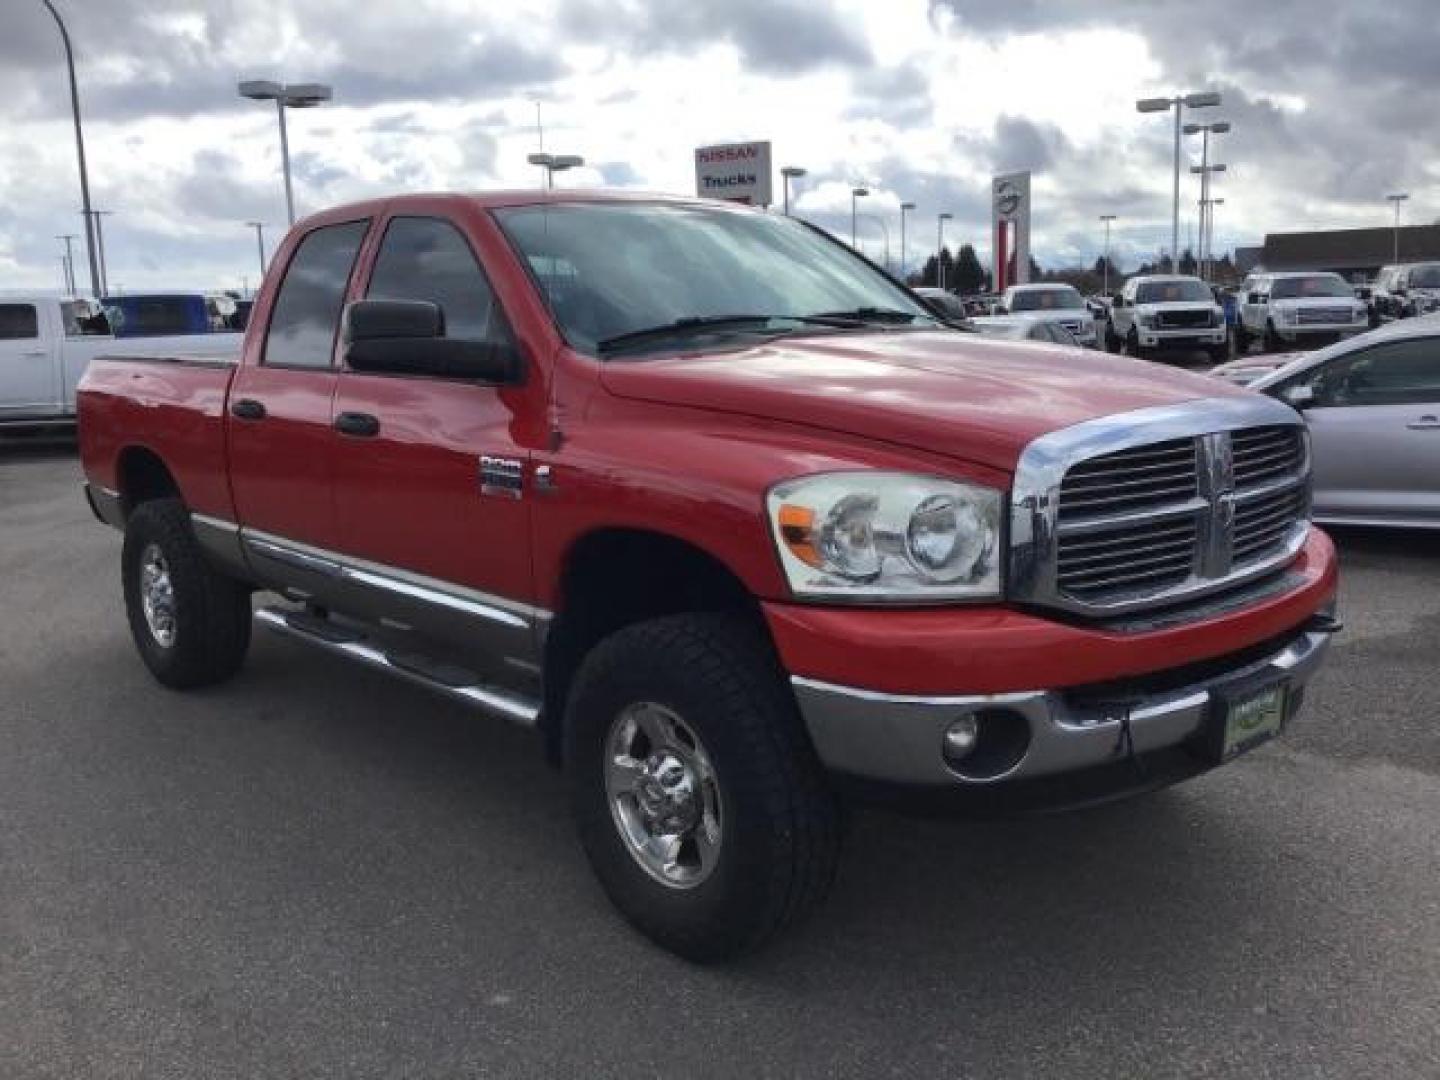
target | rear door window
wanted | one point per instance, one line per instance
(1396, 373)
(18, 322)
(307, 309)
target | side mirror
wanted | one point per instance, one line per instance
(1301, 396)
(407, 337)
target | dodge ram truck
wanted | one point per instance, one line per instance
(729, 517)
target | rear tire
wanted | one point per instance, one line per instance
(763, 834)
(1112, 339)
(190, 623)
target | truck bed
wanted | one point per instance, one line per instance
(172, 406)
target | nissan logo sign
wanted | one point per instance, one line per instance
(1007, 199)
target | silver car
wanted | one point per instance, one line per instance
(1372, 404)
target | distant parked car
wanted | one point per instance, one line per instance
(1155, 313)
(942, 301)
(1027, 327)
(1405, 290)
(1372, 404)
(1298, 308)
(1062, 302)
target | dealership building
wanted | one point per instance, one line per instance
(1351, 252)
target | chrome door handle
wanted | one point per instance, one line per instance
(1426, 421)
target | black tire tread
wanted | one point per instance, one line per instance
(729, 658)
(212, 610)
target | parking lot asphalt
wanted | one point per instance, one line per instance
(315, 871)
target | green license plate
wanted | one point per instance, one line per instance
(1252, 720)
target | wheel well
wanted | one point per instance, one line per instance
(142, 476)
(618, 577)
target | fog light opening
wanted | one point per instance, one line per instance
(986, 745)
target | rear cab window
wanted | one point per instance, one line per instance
(18, 322)
(306, 318)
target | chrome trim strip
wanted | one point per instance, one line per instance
(972, 701)
(413, 586)
(487, 698)
(1035, 500)
(219, 524)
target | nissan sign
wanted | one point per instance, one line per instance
(739, 172)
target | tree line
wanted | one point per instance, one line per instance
(964, 273)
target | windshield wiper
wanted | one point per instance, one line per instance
(866, 315)
(693, 324)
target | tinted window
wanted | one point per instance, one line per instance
(307, 310)
(18, 321)
(1398, 373)
(1046, 299)
(1169, 292)
(1310, 285)
(428, 259)
(1425, 277)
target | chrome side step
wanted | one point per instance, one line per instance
(442, 680)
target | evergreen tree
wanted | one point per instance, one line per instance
(969, 274)
(1188, 263)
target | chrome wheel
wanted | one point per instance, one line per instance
(663, 794)
(157, 595)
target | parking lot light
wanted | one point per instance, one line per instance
(1179, 103)
(286, 96)
(1105, 261)
(856, 193)
(787, 174)
(940, 246)
(1398, 198)
(553, 163)
(905, 208)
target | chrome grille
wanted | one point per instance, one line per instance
(1313, 316)
(1105, 523)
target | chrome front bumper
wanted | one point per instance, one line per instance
(898, 739)
(1196, 336)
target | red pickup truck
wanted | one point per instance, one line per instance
(730, 517)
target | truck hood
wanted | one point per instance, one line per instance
(979, 400)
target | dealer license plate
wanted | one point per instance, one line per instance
(1252, 720)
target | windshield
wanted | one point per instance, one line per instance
(1046, 299)
(1169, 292)
(1425, 277)
(1310, 285)
(612, 270)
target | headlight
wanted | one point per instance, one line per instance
(887, 537)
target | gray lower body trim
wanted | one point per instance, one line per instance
(899, 738)
(507, 632)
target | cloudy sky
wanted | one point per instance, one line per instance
(921, 100)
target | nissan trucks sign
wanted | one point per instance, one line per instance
(739, 172)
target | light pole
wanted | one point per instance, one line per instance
(1179, 103)
(1397, 199)
(553, 163)
(1204, 172)
(1210, 232)
(940, 246)
(286, 96)
(259, 227)
(1105, 262)
(788, 173)
(69, 258)
(100, 245)
(1220, 127)
(885, 229)
(856, 194)
(80, 154)
(905, 207)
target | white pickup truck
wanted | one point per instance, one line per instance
(46, 344)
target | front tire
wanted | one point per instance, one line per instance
(698, 798)
(1112, 339)
(190, 623)
(1272, 339)
(1132, 345)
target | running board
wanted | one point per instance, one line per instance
(442, 679)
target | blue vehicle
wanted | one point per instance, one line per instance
(157, 314)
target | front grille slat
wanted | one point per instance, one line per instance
(1138, 522)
